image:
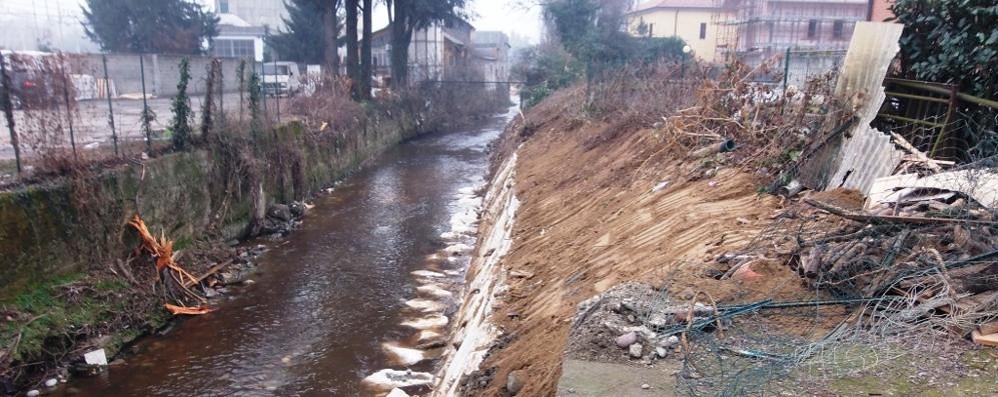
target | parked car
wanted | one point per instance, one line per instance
(281, 78)
(30, 86)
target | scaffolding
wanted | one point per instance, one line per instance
(758, 30)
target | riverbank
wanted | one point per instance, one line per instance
(622, 237)
(69, 289)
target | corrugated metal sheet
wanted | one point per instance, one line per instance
(867, 154)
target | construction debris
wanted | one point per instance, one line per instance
(935, 253)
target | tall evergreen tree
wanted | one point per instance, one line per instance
(168, 26)
(305, 38)
(406, 17)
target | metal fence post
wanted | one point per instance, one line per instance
(263, 89)
(69, 107)
(6, 102)
(221, 91)
(242, 84)
(786, 70)
(110, 107)
(277, 91)
(145, 106)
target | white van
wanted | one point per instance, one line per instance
(281, 78)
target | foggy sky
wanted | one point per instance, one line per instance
(57, 22)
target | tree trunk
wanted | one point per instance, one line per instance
(331, 30)
(365, 52)
(401, 37)
(353, 66)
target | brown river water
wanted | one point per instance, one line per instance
(325, 302)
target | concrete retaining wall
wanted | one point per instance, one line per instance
(79, 223)
(162, 72)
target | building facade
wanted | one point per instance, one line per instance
(261, 13)
(238, 39)
(491, 57)
(694, 21)
(752, 30)
(439, 52)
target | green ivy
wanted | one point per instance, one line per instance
(181, 123)
(950, 41)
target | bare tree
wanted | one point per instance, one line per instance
(353, 66)
(331, 34)
(365, 52)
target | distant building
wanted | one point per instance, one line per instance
(269, 13)
(753, 30)
(491, 56)
(694, 21)
(438, 52)
(238, 39)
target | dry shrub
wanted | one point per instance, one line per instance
(644, 92)
(328, 105)
(769, 124)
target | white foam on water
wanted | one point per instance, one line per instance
(428, 335)
(396, 392)
(433, 321)
(434, 290)
(427, 273)
(391, 378)
(403, 355)
(458, 248)
(426, 305)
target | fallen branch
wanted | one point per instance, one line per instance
(211, 271)
(171, 276)
(884, 219)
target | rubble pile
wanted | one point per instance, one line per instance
(932, 249)
(634, 322)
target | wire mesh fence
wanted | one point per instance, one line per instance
(104, 106)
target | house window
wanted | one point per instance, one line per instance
(233, 48)
(837, 29)
(651, 30)
(812, 29)
(223, 6)
(703, 30)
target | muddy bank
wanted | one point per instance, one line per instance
(620, 240)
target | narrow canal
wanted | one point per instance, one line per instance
(364, 281)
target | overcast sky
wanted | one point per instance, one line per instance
(57, 21)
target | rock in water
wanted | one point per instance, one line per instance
(636, 350)
(297, 209)
(33, 393)
(280, 212)
(514, 382)
(626, 340)
(51, 382)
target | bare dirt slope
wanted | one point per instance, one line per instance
(590, 220)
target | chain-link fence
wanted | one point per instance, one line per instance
(93, 105)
